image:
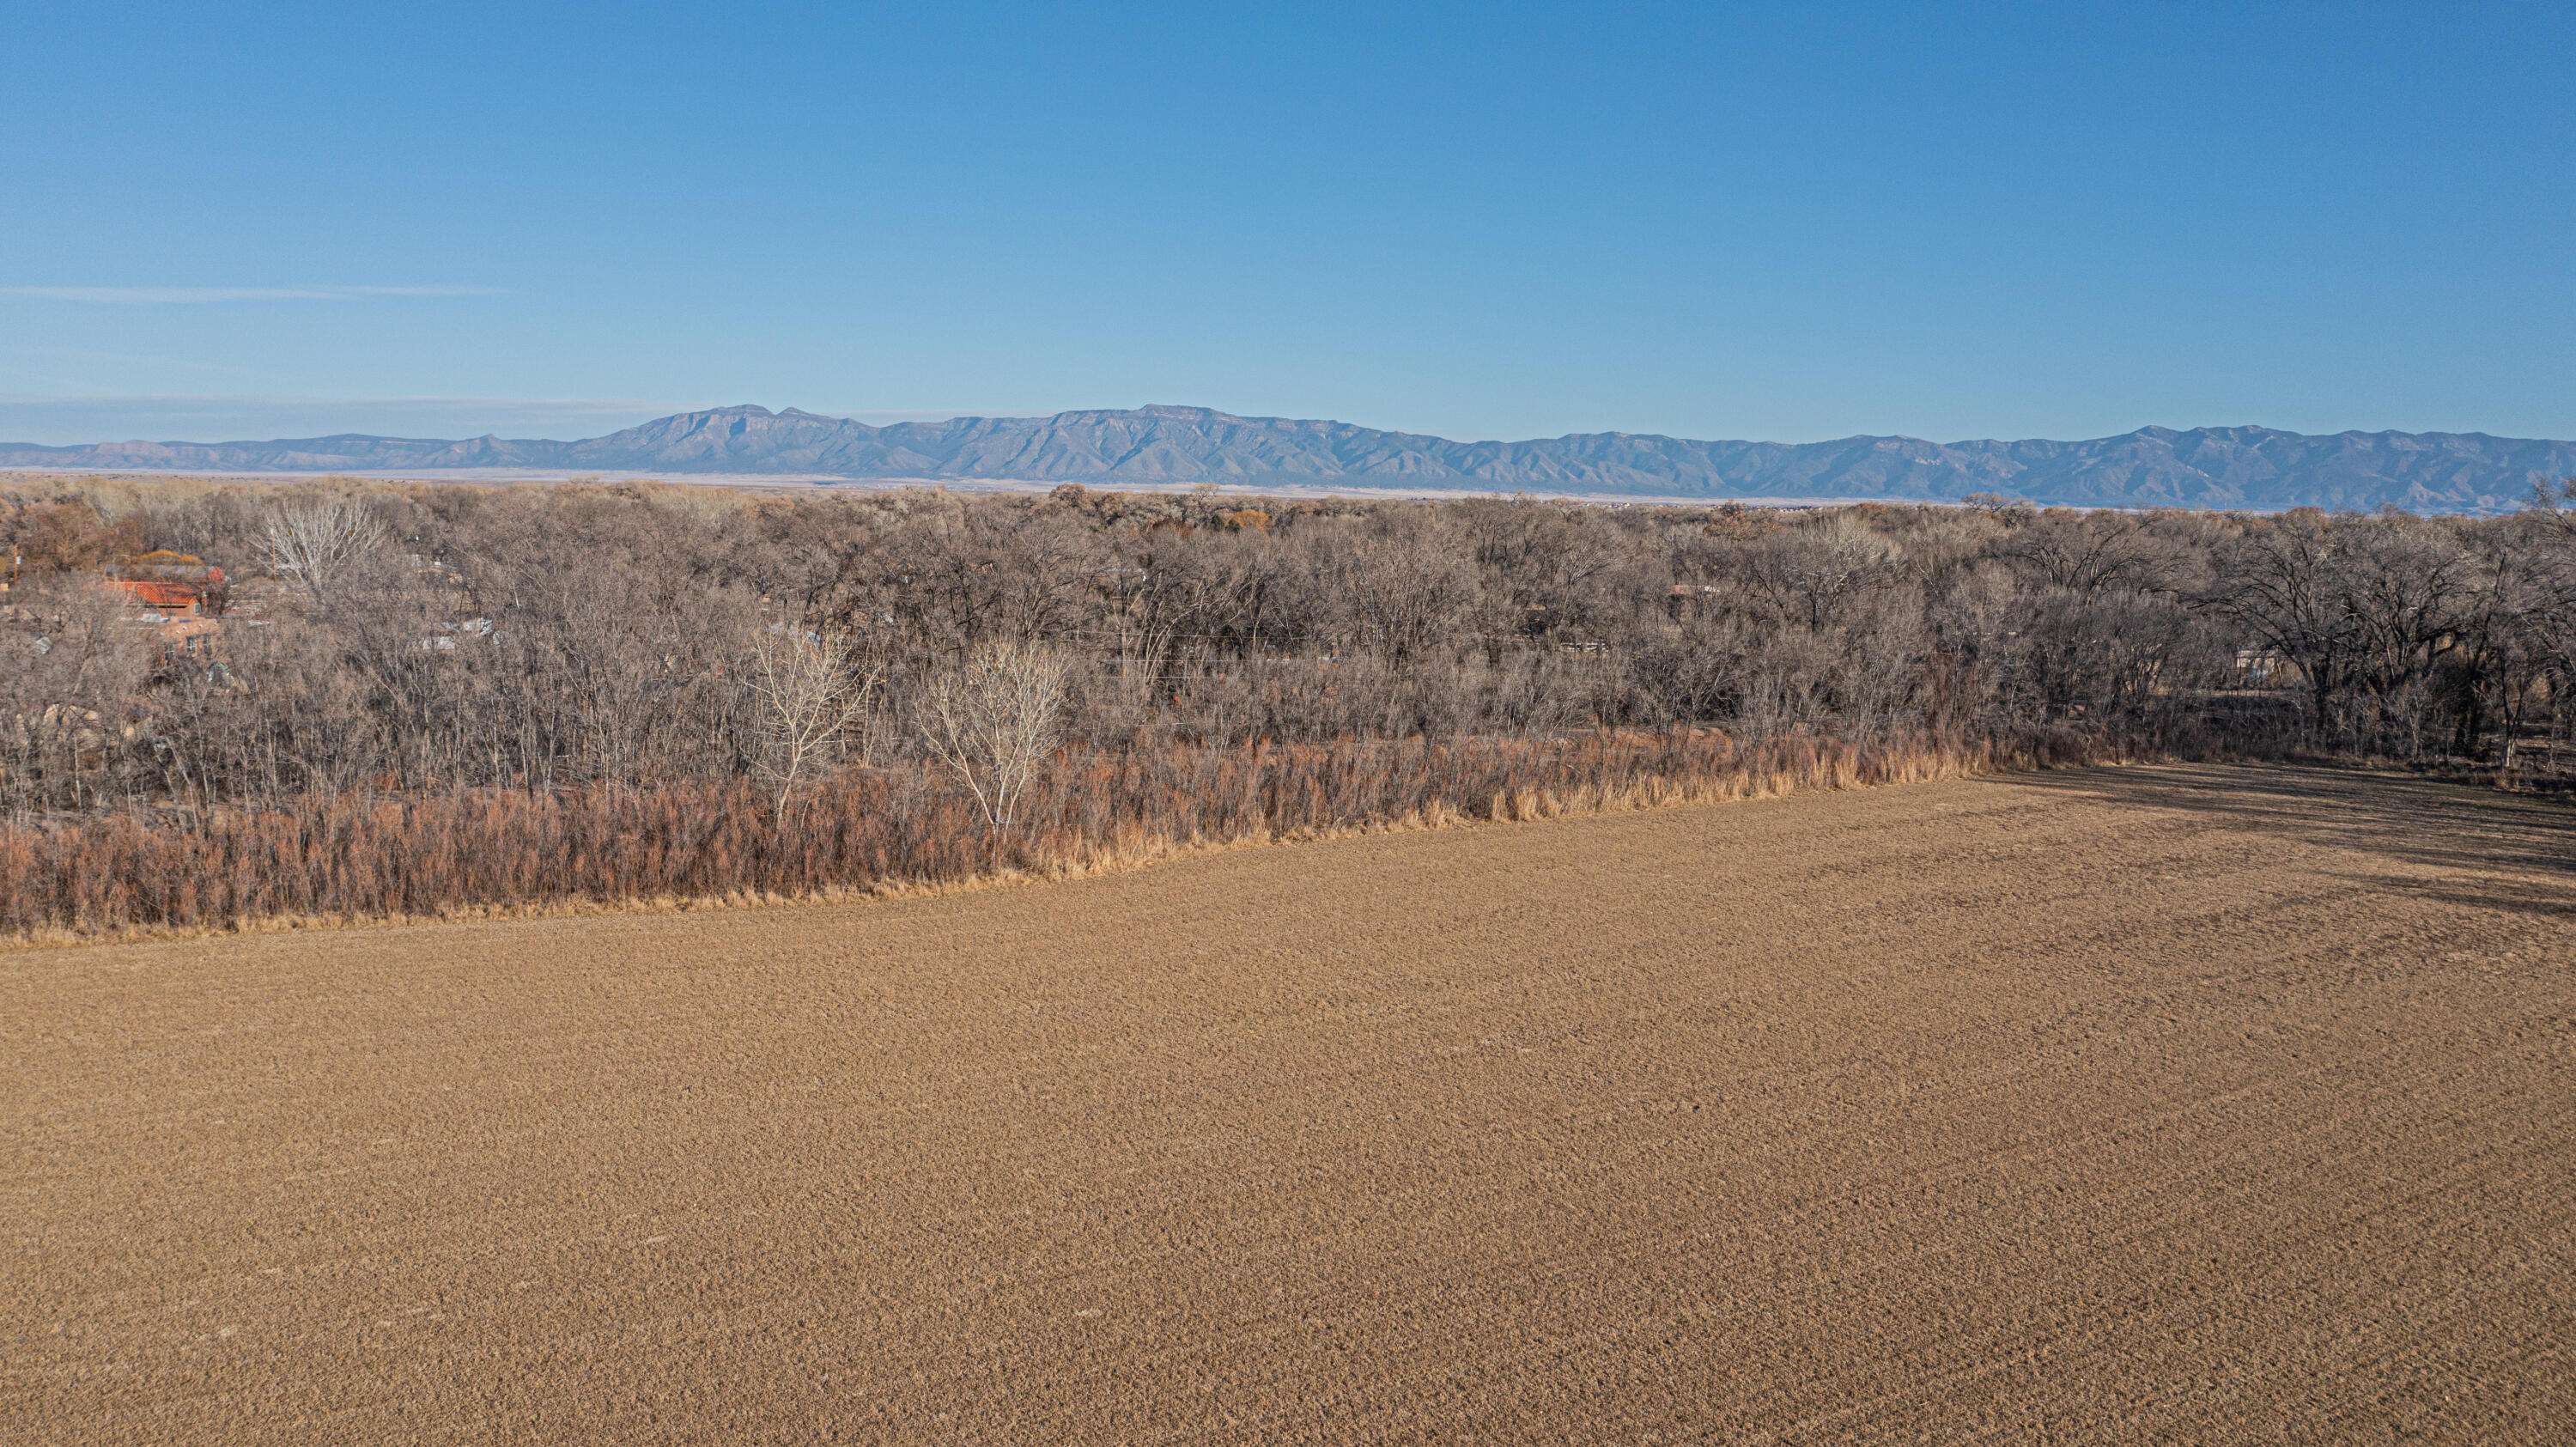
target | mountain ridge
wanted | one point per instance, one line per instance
(1166, 444)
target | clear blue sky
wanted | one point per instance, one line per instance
(1789, 222)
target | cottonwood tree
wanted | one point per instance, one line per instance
(2276, 583)
(1810, 573)
(810, 688)
(2085, 553)
(991, 716)
(316, 542)
(2402, 581)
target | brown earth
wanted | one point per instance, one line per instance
(2177, 1104)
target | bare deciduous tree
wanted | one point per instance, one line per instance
(315, 542)
(991, 717)
(811, 687)
(65, 685)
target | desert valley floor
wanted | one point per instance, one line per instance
(2207, 1104)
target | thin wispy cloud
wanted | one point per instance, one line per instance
(189, 295)
(66, 418)
(227, 399)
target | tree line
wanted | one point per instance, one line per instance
(407, 640)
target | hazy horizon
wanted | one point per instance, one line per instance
(83, 421)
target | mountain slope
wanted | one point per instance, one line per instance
(2154, 466)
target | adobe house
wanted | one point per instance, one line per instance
(174, 585)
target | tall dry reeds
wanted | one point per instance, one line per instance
(348, 857)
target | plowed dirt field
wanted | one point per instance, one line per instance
(2144, 1104)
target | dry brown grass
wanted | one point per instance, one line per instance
(353, 858)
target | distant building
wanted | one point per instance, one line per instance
(189, 637)
(174, 585)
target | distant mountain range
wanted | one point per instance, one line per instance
(2208, 467)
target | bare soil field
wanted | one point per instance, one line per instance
(2176, 1104)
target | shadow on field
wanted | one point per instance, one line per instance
(2414, 821)
(2515, 895)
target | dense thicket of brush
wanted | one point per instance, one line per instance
(349, 856)
(546, 637)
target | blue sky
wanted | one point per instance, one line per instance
(1785, 222)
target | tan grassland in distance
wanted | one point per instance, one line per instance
(800, 484)
(2147, 1104)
